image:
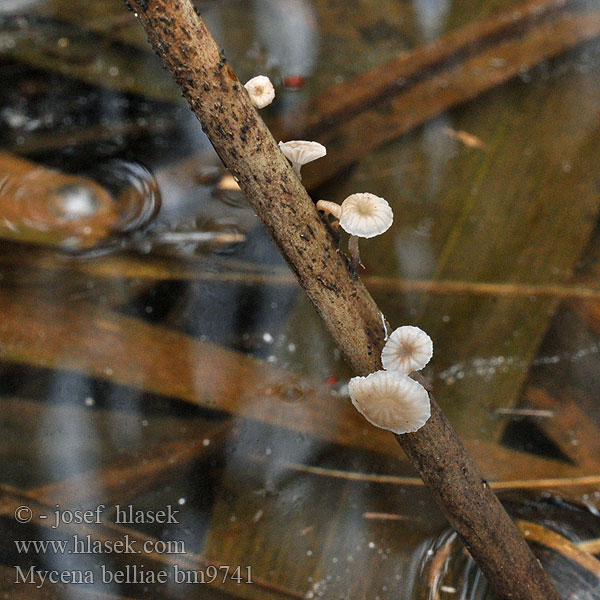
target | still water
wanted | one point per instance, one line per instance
(174, 417)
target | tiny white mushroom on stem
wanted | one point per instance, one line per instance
(364, 215)
(300, 152)
(391, 400)
(261, 91)
(361, 215)
(408, 349)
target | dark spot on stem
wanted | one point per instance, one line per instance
(327, 284)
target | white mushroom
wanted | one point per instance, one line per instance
(391, 400)
(361, 215)
(407, 349)
(261, 91)
(300, 152)
(366, 215)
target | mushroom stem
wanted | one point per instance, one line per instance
(331, 208)
(354, 253)
(296, 167)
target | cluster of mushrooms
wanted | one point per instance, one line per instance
(390, 398)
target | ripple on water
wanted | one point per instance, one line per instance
(78, 213)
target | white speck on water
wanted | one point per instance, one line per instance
(258, 515)
(268, 451)
(89, 401)
(267, 338)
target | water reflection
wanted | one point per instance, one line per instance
(431, 17)
(9, 6)
(288, 30)
(186, 365)
(87, 212)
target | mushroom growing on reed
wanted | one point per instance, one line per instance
(391, 400)
(300, 152)
(407, 349)
(361, 215)
(261, 91)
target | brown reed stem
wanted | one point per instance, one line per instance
(248, 150)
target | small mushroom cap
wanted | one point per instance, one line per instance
(365, 215)
(300, 152)
(261, 91)
(407, 349)
(390, 400)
